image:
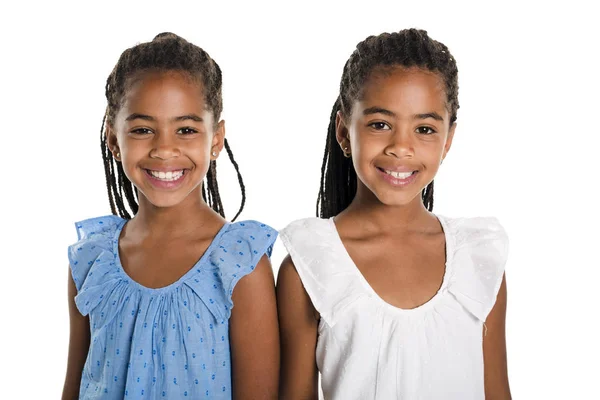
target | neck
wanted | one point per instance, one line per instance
(192, 213)
(381, 217)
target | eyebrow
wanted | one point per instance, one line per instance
(192, 117)
(432, 114)
(379, 110)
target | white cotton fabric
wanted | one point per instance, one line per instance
(369, 349)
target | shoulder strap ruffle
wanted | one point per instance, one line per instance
(238, 251)
(322, 263)
(479, 257)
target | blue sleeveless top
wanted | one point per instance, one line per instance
(170, 342)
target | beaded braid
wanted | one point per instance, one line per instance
(407, 48)
(166, 52)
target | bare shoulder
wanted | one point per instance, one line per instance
(287, 272)
(79, 342)
(252, 284)
(290, 287)
(254, 335)
(494, 349)
(298, 326)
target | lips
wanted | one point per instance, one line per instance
(398, 177)
(398, 170)
(167, 176)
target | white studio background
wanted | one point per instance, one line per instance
(526, 151)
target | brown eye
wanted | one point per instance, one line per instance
(141, 131)
(380, 126)
(187, 131)
(425, 130)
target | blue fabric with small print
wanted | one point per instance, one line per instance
(170, 342)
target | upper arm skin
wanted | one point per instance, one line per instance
(79, 344)
(254, 335)
(298, 327)
(494, 350)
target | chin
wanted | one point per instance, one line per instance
(164, 199)
(396, 198)
(164, 202)
(169, 194)
(395, 201)
(396, 194)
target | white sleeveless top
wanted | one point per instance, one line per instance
(369, 349)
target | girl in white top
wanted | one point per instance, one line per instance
(384, 298)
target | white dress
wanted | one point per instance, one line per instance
(369, 349)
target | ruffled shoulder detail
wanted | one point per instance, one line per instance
(326, 271)
(92, 260)
(479, 254)
(236, 251)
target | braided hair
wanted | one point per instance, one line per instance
(166, 52)
(407, 48)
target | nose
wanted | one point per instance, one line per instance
(401, 145)
(164, 147)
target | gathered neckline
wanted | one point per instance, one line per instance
(449, 250)
(194, 269)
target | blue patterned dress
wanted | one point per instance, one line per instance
(171, 342)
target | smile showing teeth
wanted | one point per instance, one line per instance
(399, 175)
(166, 176)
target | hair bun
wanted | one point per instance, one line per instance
(165, 35)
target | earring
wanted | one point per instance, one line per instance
(214, 153)
(346, 152)
(118, 155)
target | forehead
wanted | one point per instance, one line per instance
(402, 88)
(164, 90)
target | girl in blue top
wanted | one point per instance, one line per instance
(152, 297)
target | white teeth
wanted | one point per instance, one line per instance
(399, 175)
(167, 176)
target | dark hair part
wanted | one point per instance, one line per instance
(166, 52)
(407, 48)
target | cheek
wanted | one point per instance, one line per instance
(199, 152)
(133, 151)
(429, 149)
(366, 147)
(130, 148)
(201, 147)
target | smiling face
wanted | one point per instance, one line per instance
(398, 133)
(164, 135)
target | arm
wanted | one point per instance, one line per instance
(298, 325)
(79, 344)
(494, 350)
(254, 336)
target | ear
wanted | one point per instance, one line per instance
(341, 132)
(112, 142)
(449, 140)
(218, 140)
